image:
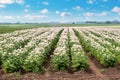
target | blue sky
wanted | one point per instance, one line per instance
(59, 10)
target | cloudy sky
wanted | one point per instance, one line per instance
(59, 10)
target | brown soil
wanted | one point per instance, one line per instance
(113, 73)
(96, 62)
(95, 74)
(46, 64)
(96, 70)
(94, 67)
(61, 75)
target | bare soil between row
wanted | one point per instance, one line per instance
(111, 73)
(94, 72)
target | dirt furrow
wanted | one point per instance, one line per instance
(47, 63)
(92, 66)
(94, 69)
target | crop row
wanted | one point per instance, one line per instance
(69, 53)
(102, 44)
(27, 50)
(31, 50)
(110, 40)
(10, 45)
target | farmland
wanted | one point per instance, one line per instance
(5, 28)
(61, 53)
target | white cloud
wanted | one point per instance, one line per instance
(57, 12)
(6, 1)
(102, 14)
(77, 8)
(44, 11)
(11, 1)
(20, 1)
(116, 10)
(2, 6)
(65, 14)
(45, 3)
(28, 16)
(26, 10)
(8, 17)
(90, 1)
(89, 14)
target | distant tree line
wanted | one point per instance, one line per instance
(107, 22)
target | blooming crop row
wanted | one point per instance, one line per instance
(69, 52)
(34, 61)
(79, 59)
(15, 59)
(27, 50)
(60, 59)
(103, 55)
(108, 41)
(12, 44)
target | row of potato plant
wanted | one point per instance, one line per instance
(60, 58)
(15, 59)
(15, 33)
(110, 42)
(79, 59)
(103, 55)
(7, 46)
(34, 61)
(69, 53)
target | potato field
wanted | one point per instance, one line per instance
(60, 53)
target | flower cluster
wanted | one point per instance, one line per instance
(60, 59)
(12, 57)
(79, 59)
(97, 47)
